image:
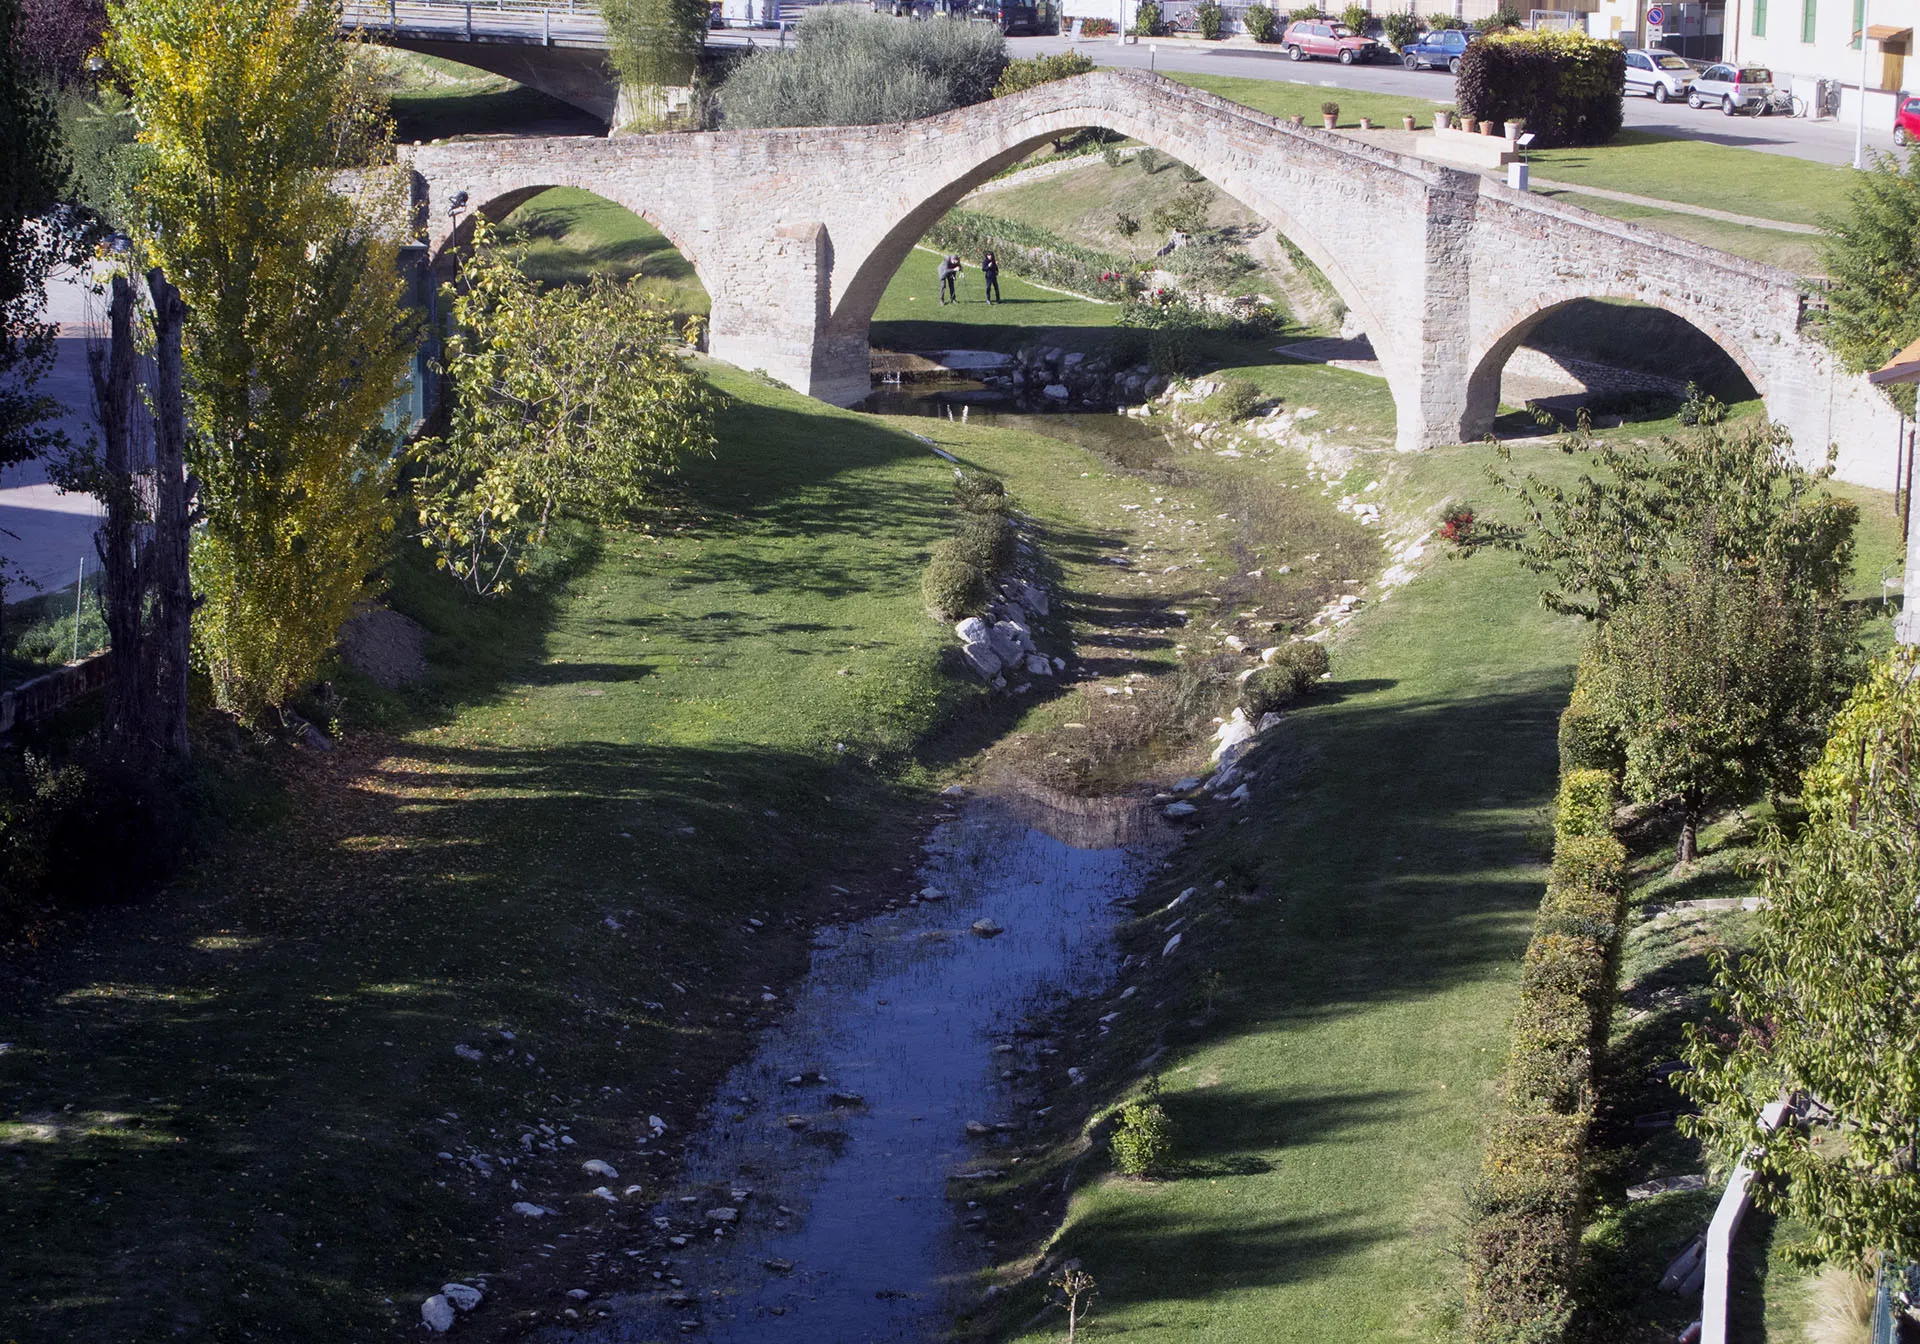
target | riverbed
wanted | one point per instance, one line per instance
(819, 1202)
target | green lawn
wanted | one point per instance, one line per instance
(1283, 98)
(571, 235)
(1698, 172)
(1084, 205)
(1790, 251)
(910, 315)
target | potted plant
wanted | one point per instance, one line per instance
(1366, 123)
(1489, 128)
(1516, 126)
(1443, 118)
(1298, 119)
(1407, 121)
(1329, 114)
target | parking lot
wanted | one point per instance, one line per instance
(1821, 141)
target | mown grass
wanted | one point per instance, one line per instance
(1789, 251)
(910, 315)
(569, 235)
(1283, 98)
(223, 1108)
(1698, 172)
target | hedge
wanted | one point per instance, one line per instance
(1587, 740)
(1524, 1215)
(959, 577)
(1566, 86)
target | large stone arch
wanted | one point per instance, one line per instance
(1506, 334)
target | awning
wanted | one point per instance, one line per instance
(1902, 368)
(1886, 32)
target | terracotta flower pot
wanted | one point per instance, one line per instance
(1488, 128)
(1298, 119)
(1327, 122)
(1366, 123)
(1408, 121)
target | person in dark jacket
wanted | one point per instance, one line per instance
(950, 280)
(990, 272)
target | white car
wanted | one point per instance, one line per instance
(1736, 88)
(1661, 75)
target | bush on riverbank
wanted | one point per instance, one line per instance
(858, 69)
(963, 568)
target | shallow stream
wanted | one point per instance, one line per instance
(815, 1205)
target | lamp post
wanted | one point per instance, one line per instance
(1860, 121)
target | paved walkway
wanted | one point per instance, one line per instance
(51, 532)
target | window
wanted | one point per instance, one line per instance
(1808, 13)
(1759, 18)
(1859, 23)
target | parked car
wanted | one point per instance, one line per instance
(1017, 16)
(1661, 75)
(1906, 122)
(1736, 88)
(1436, 51)
(1323, 37)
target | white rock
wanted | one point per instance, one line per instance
(971, 631)
(598, 1168)
(601, 1192)
(1035, 598)
(988, 927)
(1055, 391)
(932, 894)
(1076, 1076)
(1172, 943)
(1241, 794)
(1038, 666)
(723, 1215)
(578, 1294)
(954, 791)
(437, 1312)
(983, 659)
(1233, 733)
(1187, 785)
(463, 1296)
(657, 1125)
(467, 1052)
(1179, 810)
(527, 1210)
(1271, 719)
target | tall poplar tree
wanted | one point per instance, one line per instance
(297, 338)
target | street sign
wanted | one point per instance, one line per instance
(1656, 16)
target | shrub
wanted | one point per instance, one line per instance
(1211, 264)
(1033, 71)
(1500, 21)
(1096, 28)
(1261, 23)
(1400, 29)
(1149, 160)
(1111, 157)
(1566, 85)
(1585, 804)
(979, 493)
(1187, 212)
(1587, 737)
(1209, 19)
(1293, 673)
(953, 585)
(1142, 1141)
(1590, 863)
(985, 540)
(1330, 110)
(1441, 23)
(1126, 225)
(1237, 399)
(1524, 1230)
(851, 68)
(1458, 527)
(1146, 19)
(1303, 14)
(1357, 17)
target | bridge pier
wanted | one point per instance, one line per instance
(771, 305)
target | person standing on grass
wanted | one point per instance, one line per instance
(950, 280)
(990, 272)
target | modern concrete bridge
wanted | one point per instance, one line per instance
(795, 234)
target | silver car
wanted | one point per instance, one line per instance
(1736, 88)
(1661, 75)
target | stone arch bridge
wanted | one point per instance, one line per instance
(795, 234)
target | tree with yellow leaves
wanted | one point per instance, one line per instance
(297, 339)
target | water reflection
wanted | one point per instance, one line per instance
(1136, 444)
(837, 1141)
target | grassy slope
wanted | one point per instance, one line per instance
(1790, 251)
(1330, 1114)
(1697, 172)
(223, 1107)
(571, 235)
(1082, 205)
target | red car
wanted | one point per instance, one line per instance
(1325, 38)
(1906, 122)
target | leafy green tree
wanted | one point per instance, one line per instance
(1032, 71)
(1873, 259)
(573, 399)
(1187, 212)
(35, 237)
(653, 46)
(296, 339)
(1824, 1006)
(1718, 681)
(1733, 486)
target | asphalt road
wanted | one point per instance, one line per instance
(1822, 141)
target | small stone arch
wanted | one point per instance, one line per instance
(1489, 358)
(493, 202)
